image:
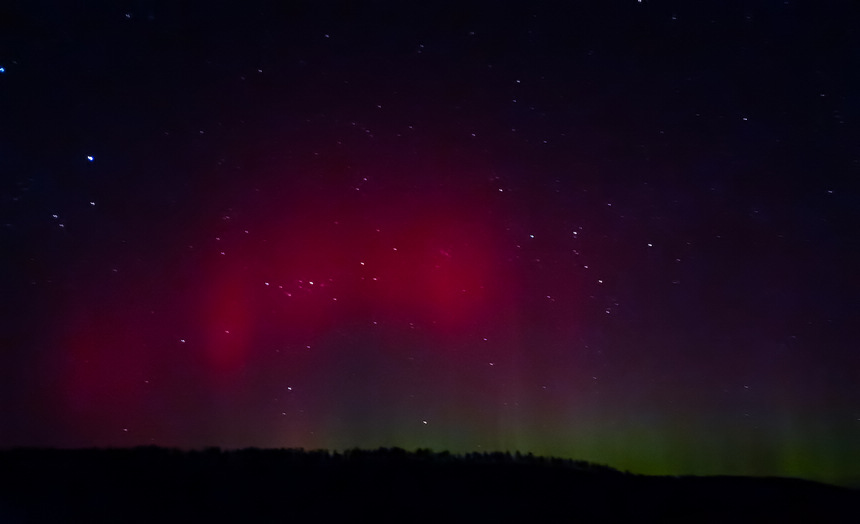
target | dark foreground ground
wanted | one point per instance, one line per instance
(252, 485)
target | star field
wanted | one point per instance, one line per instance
(623, 233)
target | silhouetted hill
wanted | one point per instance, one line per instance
(154, 484)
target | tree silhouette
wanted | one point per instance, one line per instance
(150, 484)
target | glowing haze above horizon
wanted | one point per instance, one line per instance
(624, 234)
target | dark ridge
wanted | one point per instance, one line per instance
(153, 484)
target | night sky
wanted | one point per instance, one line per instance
(617, 231)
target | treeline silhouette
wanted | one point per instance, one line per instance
(154, 484)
